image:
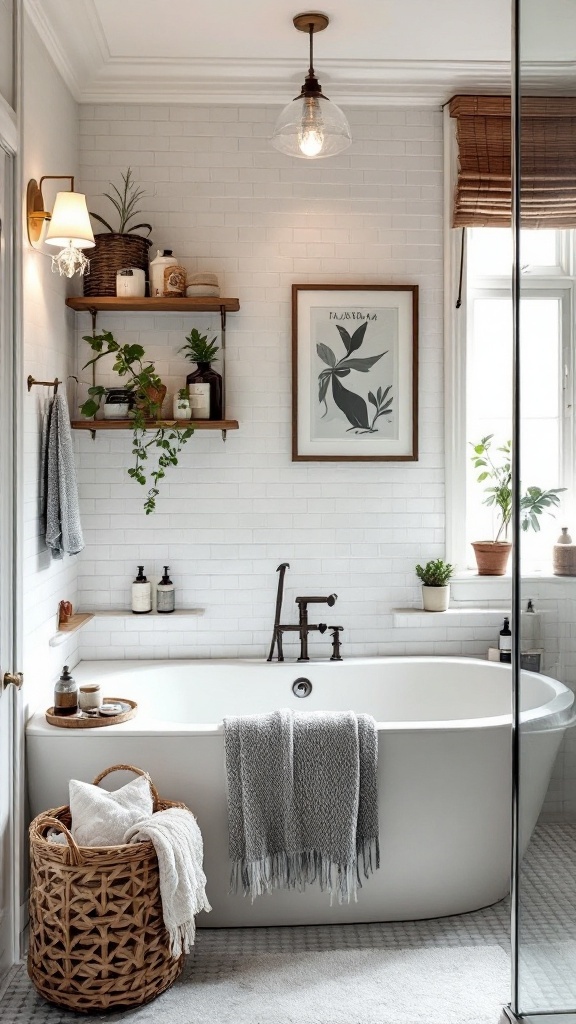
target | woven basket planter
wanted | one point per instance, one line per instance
(97, 935)
(114, 252)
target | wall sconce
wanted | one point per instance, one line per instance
(68, 225)
(311, 126)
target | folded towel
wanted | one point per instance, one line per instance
(60, 512)
(302, 801)
(178, 844)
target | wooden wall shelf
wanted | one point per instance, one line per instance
(112, 304)
(154, 424)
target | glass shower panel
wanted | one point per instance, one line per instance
(544, 892)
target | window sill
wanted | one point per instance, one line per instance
(468, 587)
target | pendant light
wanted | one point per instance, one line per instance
(311, 126)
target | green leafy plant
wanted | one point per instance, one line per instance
(183, 394)
(351, 404)
(198, 349)
(498, 470)
(149, 391)
(125, 202)
(435, 573)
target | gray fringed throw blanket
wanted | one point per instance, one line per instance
(302, 801)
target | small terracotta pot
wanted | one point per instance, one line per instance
(492, 556)
(153, 397)
(435, 599)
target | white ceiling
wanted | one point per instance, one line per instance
(246, 51)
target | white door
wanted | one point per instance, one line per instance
(11, 714)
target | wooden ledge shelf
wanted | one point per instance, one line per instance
(66, 628)
(112, 304)
(153, 424)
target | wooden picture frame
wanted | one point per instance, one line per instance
(354, 373)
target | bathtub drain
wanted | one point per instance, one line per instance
(301, 687)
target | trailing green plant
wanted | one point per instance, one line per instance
(435, 573)
(125, 203)
(148, 389)
(198, 349)
(498, 470)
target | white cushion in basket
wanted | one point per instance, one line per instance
(100, 818)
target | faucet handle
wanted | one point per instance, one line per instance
(336, 630)
(322, 627)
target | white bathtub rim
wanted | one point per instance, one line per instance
(561, 701)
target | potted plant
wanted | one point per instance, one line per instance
(120, 248)
(149, 392)
(492, 555)
(204, 384)
(435, 578)
(181, 405)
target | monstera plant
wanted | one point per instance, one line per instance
(361, 419)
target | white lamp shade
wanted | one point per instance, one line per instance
(311, 127)
(70, 222)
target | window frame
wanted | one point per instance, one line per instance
(559, 280)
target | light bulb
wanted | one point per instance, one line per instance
(311, 134)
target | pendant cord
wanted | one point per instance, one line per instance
(311, 31)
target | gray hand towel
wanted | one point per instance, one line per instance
(302, 801)
(60, 512)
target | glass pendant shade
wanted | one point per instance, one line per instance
(311, 127)
(70, 222)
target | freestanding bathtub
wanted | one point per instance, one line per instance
(444, 769)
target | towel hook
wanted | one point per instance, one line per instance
(31, 382)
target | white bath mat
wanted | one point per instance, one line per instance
(457, 985)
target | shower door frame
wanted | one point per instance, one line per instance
(512, 1010)
(11, 699)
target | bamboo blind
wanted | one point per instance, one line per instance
(547, 161)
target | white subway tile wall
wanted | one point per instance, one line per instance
(226, 202)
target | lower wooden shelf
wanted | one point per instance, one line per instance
(153, 424)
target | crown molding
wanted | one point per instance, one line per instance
(93, 76)
(75, 52)
(268, 81)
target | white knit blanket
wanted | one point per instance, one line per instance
(178, 844)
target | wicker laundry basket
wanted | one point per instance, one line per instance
(97, 935)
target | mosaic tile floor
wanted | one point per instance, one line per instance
(548, 934)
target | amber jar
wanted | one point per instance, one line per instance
(66, 694)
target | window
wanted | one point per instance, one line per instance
(484, 328)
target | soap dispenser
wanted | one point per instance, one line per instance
(165, 594)
(505, 642)
(141, 593)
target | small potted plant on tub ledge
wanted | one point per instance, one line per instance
(435, 577)
(492, 555)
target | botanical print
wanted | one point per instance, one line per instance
(359, 346)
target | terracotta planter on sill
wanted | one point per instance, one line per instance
(492, 556)
(435, 599)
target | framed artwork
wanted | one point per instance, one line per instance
(354, 373)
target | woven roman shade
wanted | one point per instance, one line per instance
(547, 160)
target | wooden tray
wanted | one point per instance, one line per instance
(84, 721)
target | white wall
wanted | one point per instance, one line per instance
(50, 146)
(225, 201)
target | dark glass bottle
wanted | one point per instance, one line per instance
(205, 392)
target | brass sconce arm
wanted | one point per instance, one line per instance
(35, 212)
